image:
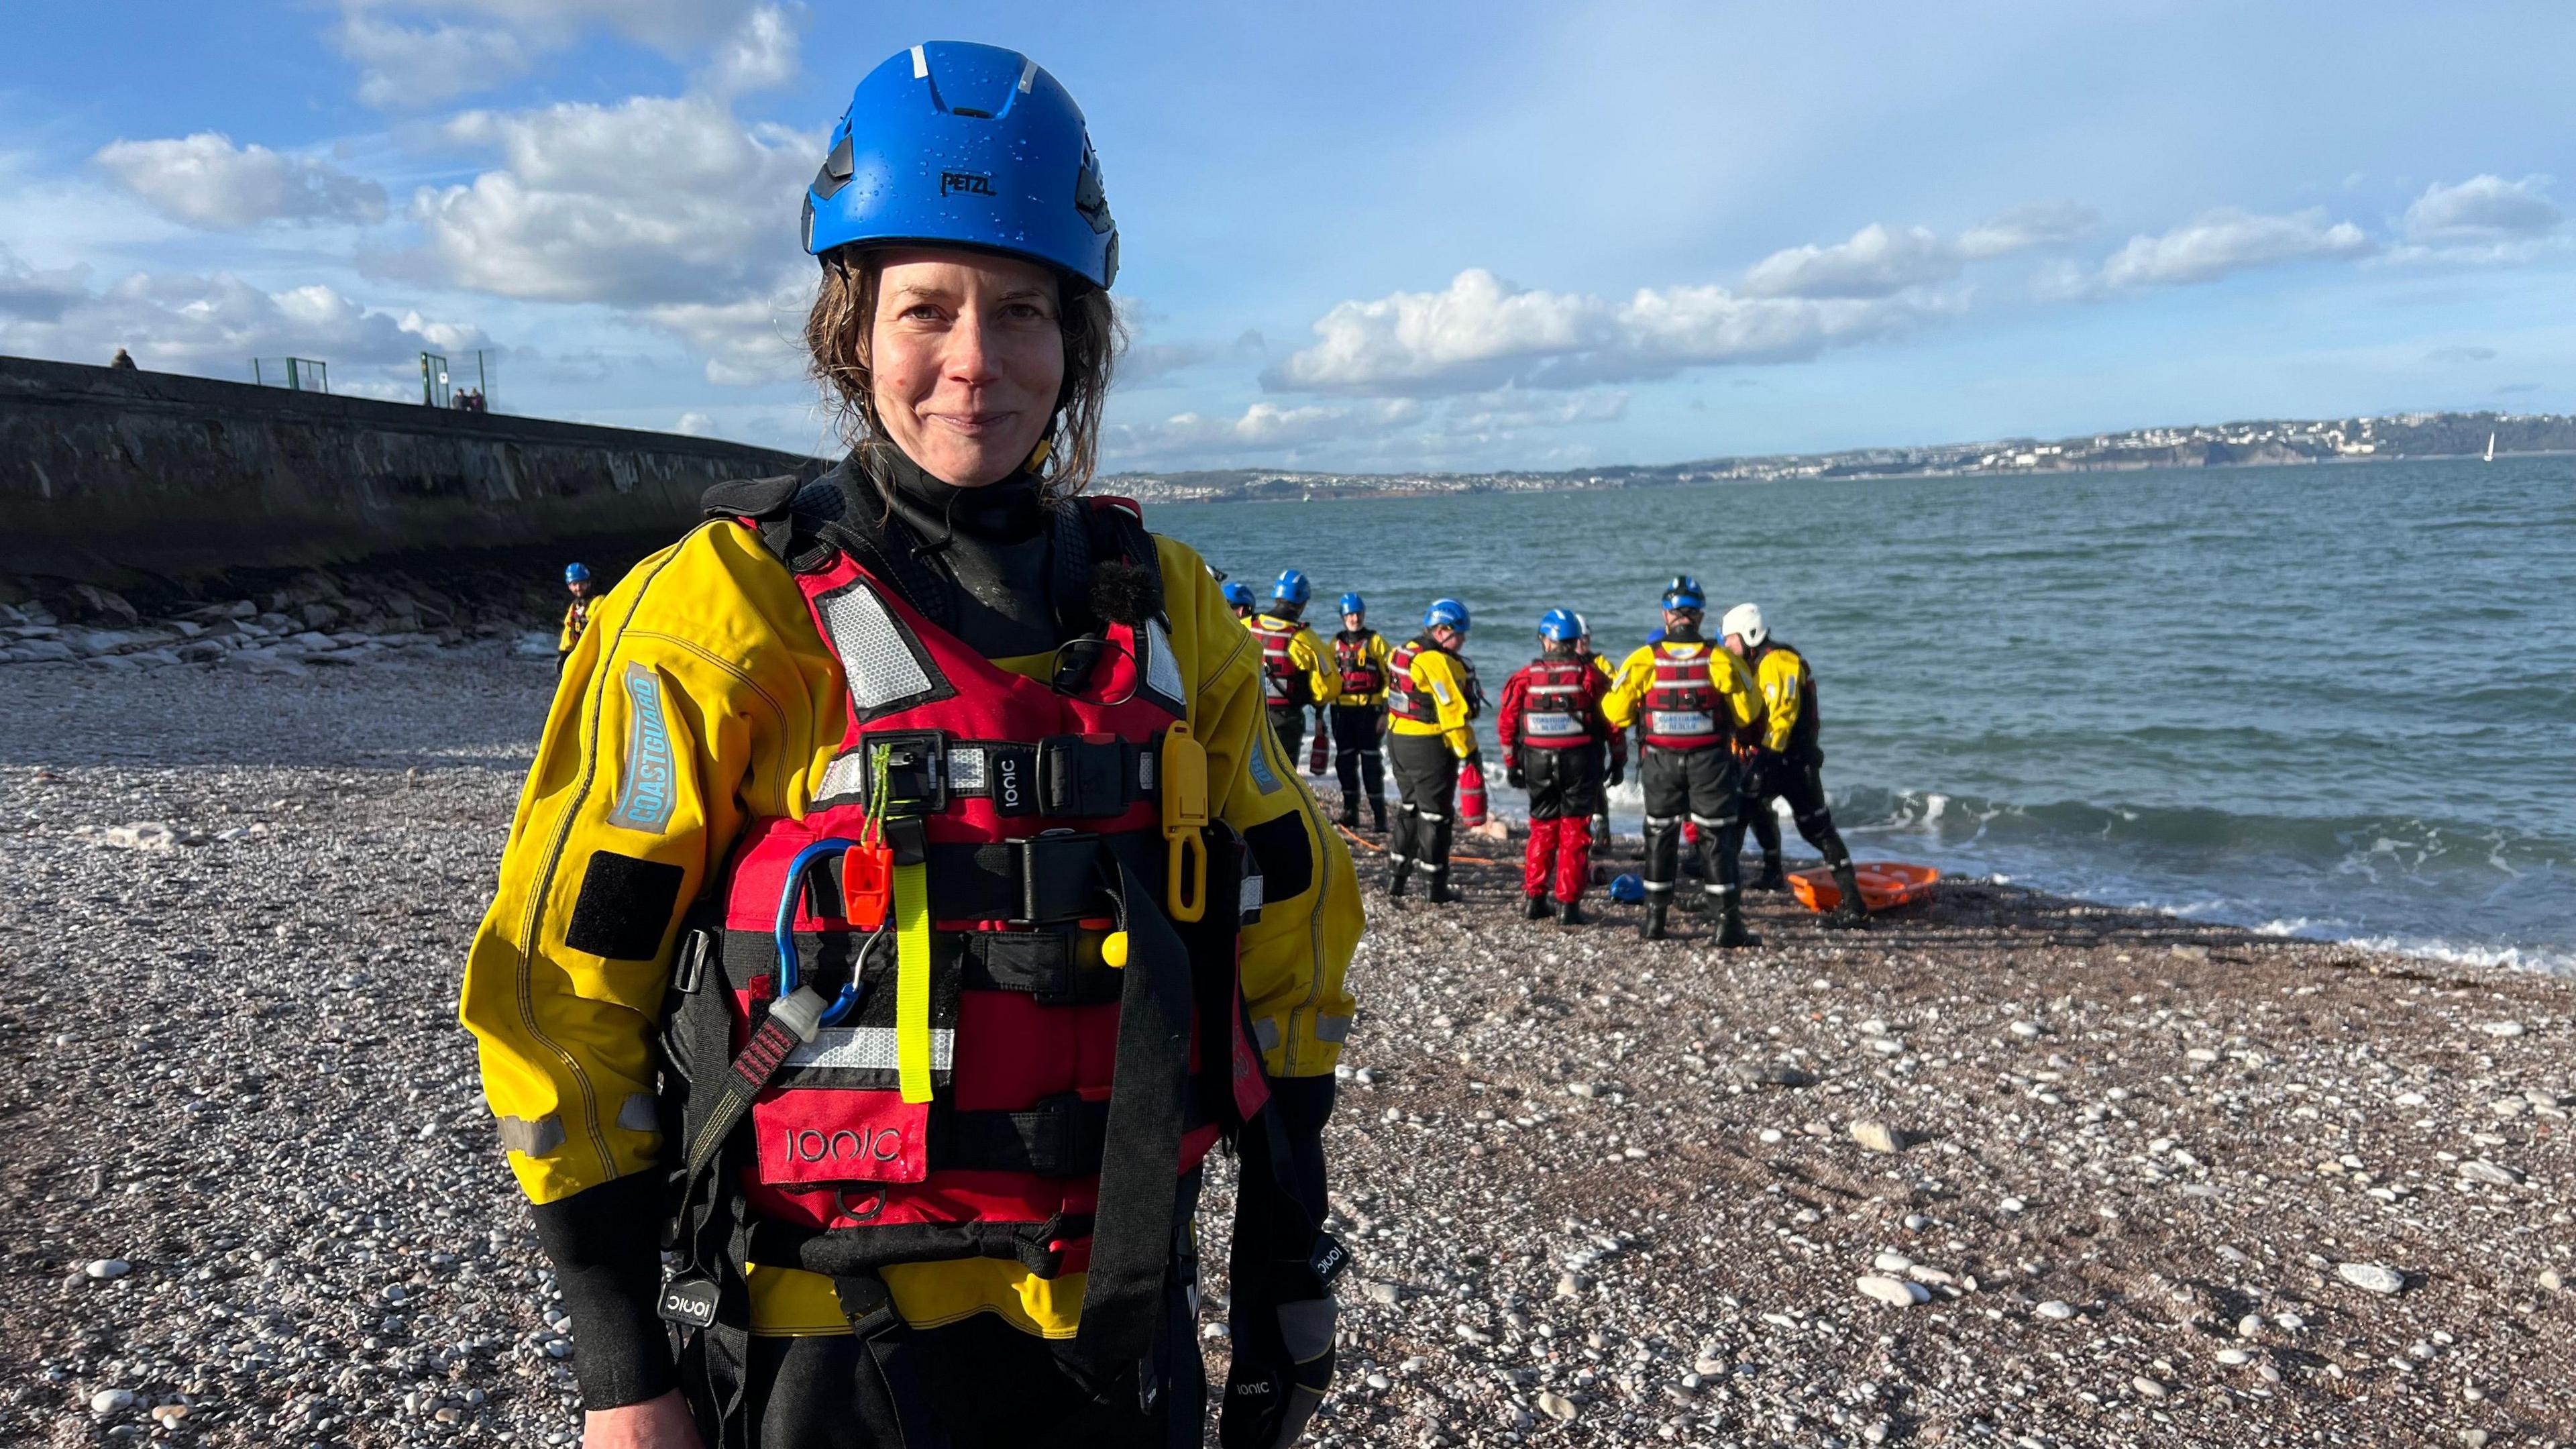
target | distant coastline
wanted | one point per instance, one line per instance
(2221, 445)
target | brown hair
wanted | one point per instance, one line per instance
(837, 333)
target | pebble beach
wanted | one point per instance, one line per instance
(2007, 1169)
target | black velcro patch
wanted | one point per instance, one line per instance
(625, 906)
(1287, 861)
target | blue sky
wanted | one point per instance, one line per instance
(1356, 236)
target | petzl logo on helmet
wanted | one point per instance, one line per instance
(953, 182)
(644, 795)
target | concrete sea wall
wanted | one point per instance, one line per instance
(118, 477)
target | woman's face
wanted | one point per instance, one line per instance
(967, 355)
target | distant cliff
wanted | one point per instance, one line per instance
(113, 476)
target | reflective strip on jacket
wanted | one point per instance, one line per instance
(1431, 691)
(1361, 658)
(702, 698)
(1732, 685)
(1788, 698)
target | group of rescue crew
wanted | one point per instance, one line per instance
(1724, 727)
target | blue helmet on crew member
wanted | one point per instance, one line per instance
(1445, 611)
(1684, 592)
(1352, 603)
(1292, 588)
(1560, 626)
(576, 573)
(957, 144)
(1239, 594)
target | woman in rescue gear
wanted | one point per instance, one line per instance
(1553, 736)
(1297, 674)
(1785, 763)
(576, 614)
(1692, 703)
(1432, 700)
(1359, 714)
(909, 892)
(1238, 597)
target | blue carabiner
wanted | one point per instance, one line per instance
(787, 962)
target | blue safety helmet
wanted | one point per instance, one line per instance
(1445, 611)
(1352, 603)
(1684, 592)
(956, 144)
(1559, 625)
(1292, 588)
(1627, 890)
(575, 573)
(1239, 594)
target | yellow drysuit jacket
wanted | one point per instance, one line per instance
(754, 709)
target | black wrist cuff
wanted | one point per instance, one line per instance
(605, 1243)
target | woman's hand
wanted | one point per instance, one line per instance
(663, 1423)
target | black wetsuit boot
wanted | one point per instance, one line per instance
(1851, 913)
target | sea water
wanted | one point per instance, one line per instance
(2332, 701)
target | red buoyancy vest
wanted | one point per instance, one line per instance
(1359, 672)
(1684, 710)
(1402, 699)
(1282, 682)
(1024, 805)
(1557, 703)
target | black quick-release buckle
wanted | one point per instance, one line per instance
(907, 772)
(1079, 778)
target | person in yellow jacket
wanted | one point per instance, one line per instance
(1359, 714)
(1297, 672)
(704, 712)
(577, 613)
(1613, 752)
(1692, 703)
(1432, 701)
(1787, 763)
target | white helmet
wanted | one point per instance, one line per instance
(1745, 619)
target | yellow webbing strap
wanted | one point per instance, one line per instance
(912, 981)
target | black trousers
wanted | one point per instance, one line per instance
(1800, 780)
(1563, 784)
(1705, 785)
(1288, 722)
(1356, 757)
(1426, 783)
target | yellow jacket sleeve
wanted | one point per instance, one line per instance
(1781, 678)
(1438, 675)
(1323, 674)
(639, 788)
(1628, 688)
(1297, 952)
(564, 639)
(1734, 679)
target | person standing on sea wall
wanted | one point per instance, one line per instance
(1432, 699)
(889, 931)
(1296, 673)
(1553, 735)
(1786, 763)
(1691, 703)
(1359, 714)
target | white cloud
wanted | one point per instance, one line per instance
(2046, 223)
(413, 55)
(1484, 333)
(2222, 242)
(204, 180)
(695, 425)
(760, 54)
(212, 325)
(747, 340)
(1878, 261)
(653, 200)
(2483, 209)
(1264, 426)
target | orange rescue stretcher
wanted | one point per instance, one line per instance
(1884, 885)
